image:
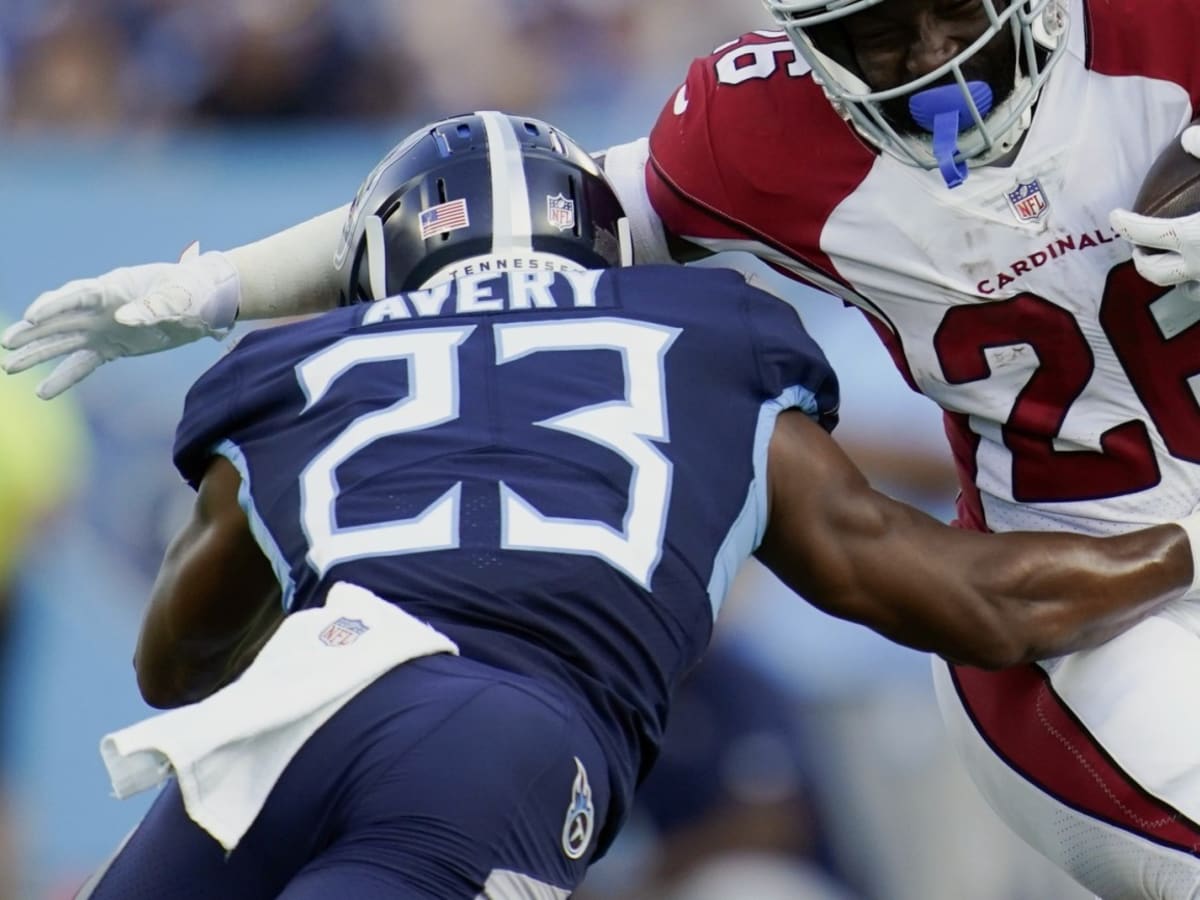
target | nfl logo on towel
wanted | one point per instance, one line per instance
(561, 212)
(1028, 201)
(342, 632)
(443, 218)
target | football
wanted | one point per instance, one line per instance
(1172, 186)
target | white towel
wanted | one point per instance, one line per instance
(229, 749)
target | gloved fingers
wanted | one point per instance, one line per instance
(1190, 139)
(16, 335)
(1146, 231)
(1162, 269)
(43, 350)
(72, 370)
(84, 294)
(23, 333)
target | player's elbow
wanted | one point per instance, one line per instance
(168, 694)
(162, 681)
(155, 693)
(157, 690)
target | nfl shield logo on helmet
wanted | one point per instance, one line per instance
(561, 212)
(1028, 201)
(581, 815)
(342, 632)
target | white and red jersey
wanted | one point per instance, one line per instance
(1010, 301)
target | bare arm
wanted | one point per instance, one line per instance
(214, 603)
(985, 600)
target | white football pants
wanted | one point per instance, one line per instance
(1094, 758)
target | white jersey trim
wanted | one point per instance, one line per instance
(747, 530)
(258, 528)
(503, 884)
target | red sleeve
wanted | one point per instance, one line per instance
(1151, 38)
(750, 149)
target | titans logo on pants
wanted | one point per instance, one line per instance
(581, 816)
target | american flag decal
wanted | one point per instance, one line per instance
(444, 217)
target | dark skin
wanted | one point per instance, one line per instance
(895, 42)
(985, 600)
(214, 603)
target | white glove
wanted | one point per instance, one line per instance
(1178, 239)
(126, 312)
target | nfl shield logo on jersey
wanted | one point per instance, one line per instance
(561, 212)
(1028, 201)
(581, 815)
(342, 632)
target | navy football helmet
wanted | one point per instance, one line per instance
(477, 187)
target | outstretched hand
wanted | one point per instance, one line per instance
(126, 312)
(1166, 250)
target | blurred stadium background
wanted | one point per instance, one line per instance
(806, 759)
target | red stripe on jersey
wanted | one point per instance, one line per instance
(964, 443)
(1155, 40)
(1030, 728)
(751, 148)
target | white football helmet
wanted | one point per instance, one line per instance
(1038, 27)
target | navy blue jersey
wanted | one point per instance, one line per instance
(561, 472)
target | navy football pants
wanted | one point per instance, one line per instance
(444, 779)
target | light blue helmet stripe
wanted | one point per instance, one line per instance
(512, 222)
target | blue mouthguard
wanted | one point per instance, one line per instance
(945, 112)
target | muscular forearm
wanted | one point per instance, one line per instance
(1041, 595)
(990, 600)
(1084, 591)
(292, 272)
(995, 600)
